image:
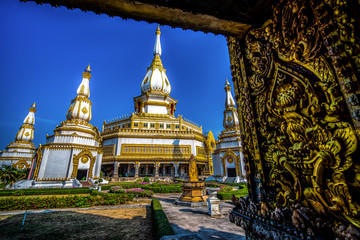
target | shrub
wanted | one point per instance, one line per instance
(228, 195)
(161, 223)
(164, 188)
(44, 191)
(22, 203)
(146, 179)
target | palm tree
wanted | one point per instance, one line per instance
(10, 174)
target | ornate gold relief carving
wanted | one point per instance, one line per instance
(292, 110)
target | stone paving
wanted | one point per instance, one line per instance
(195, 223)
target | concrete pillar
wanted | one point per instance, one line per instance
(172, 170)
(163, 170)
(128, 170)
(116, 170)
(176, 166)
(146, 169)
(157, 170)
(137, 165)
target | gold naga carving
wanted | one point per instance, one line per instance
(193, 173)
(299, 129)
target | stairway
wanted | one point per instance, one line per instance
(230, 179)
(85, 183)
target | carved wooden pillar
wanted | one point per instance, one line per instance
(297, 91)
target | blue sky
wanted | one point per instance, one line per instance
(44, 50)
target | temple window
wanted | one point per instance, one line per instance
(168, 126)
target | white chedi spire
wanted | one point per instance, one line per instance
(80, 107)
(84, 88)
(26, 131)
(229, 102)
(155, 80)
(157, 46)
(231, 119)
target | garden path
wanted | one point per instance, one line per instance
(196, 224)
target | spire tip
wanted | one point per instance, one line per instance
(88, 69)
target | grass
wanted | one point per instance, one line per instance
(122, 223)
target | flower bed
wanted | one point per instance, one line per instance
(135, 191)
(223, 187)
(22, 203)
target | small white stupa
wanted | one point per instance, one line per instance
(20, 152)
(72, 156)
(228, 158)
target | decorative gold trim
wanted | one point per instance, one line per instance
(38, 161)
(84, 153)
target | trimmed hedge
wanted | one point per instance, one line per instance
(228, 195)
(44, 191)
(163, 188)
(161, 223)
(22, 203)
(155, 187)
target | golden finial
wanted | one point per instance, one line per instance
(227, 82)
(34, 105)
(88, 68)
(158, 30)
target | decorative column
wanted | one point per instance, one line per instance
(137, 165)
(163, 170)
(128, 170)
(146, 169)
(157, 169)
(173, 170)
(176, 166)
(116, 171)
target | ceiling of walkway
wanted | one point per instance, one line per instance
(227, 17)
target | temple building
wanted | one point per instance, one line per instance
(20, 152)
(228, 158)
(152, 141)
(74, 150)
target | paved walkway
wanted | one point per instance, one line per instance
(195, 223)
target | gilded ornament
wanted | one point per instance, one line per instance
(229, 118)
(84, 159)
(84, 110)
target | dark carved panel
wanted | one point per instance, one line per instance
(296, 84)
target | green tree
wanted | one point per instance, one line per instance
(10, 174)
